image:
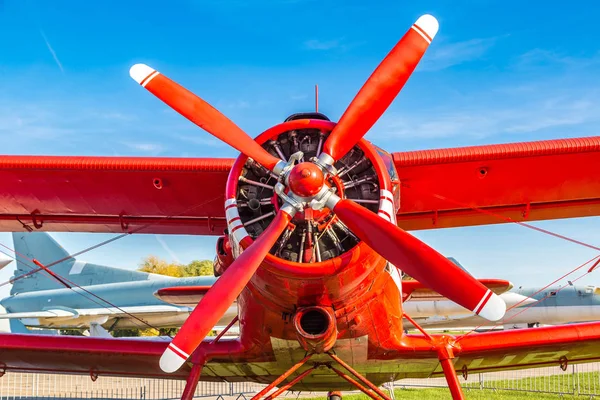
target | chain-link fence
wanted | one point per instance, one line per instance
(578, 379)
(15, 385)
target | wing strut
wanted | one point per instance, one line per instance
(192, 382)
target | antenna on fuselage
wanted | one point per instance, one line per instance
(316, 98)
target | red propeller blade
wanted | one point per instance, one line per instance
(420, 261)
(220, 296)
(200, 113)
(381, 88)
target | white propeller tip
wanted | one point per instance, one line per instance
(139, 72)
(428, 24)
(171, 361)
(494, 309)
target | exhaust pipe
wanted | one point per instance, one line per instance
(316, 328)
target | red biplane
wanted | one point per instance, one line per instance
(315, 220)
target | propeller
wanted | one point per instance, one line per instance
(202, 114)
(380, 90)
(305, 182)
(419, 260)
(221, 295)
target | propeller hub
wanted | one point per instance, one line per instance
(306, 179)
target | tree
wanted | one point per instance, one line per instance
(199, 268)
(156, 265)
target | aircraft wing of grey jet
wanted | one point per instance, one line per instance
(100, 296)
(555, 305)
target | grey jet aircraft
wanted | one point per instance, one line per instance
(108, 298)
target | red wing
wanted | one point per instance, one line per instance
(417, 291)
(136, 357)
(113, 194)
(114, 357)
(528, 348)
(523, 181)
(72, 354)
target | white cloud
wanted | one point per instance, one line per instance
(153, 148)
(560, 94)
(445, 55)
(201, 139)
(166, 247)
(539, 58)
(316, 44)
(480, 121)
(233, 104)
(51, 50)
(339, 44)
(297, 97)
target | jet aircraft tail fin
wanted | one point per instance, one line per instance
(42, 247)
(458, 264)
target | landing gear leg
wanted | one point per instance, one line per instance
(277, 381)
(334, 395)
(362, 379)
(445, 356)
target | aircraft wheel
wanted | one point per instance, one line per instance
(335, 395)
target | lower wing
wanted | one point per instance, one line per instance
(473, 353)
(527, 348)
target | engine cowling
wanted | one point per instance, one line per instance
(313, 236)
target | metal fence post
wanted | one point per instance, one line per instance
(575, 381)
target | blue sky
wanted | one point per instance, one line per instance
(497, 72)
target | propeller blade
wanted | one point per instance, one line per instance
(201, 113)
(381, 88)
(420, 261)
(221, 295)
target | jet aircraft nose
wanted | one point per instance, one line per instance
(4, 261)
(514, 299)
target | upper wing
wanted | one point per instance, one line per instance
(527, 348)
(440, 188)
(519, 181)
(113, 194)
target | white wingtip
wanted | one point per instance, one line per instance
(428, 24)
(494, 309)
(139, 72)
(171, 361)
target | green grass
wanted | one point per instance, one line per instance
(473, 394)
(566, 383)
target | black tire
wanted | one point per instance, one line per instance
(334, 396)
